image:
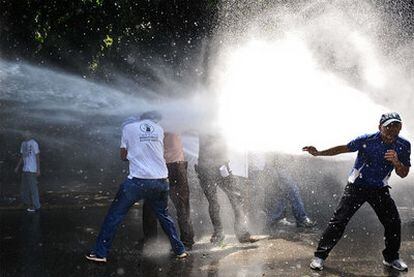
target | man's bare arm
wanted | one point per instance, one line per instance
(38, 164)
(328, 152)
(123, 153)
(19, 163)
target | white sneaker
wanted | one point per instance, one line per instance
(396, 264)
(285, 222)
(31, 210)
(182, 255)
(317, 263)
(95, 258)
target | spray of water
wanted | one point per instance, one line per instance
(315, 73)
(36, 98)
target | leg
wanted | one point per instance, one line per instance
(127, 195)
(180, 196)
(209, 186)
(34, 191)
(159, 204)
(231, 186)
(387, 213)
(256, 193)
(350, 202)
(295, 199)
(24, 189)
(149, 222)
(277, 203)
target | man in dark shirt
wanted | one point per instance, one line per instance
(213, 171)
(378, 155)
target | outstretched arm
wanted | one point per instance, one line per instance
(328, 152)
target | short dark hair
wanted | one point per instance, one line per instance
(151, 115)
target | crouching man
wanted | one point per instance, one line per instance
(378, 155)
(141, 145)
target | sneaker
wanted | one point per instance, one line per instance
(248, 239)
(217, 238)
(397, 264)
(31, 210)
(188, 246)
(306, 223)
(182, 255)
(95, 258)
(284, 222)
(317, 263)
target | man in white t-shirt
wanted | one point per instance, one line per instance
(179, 192)
(29, 157)
(142, 145)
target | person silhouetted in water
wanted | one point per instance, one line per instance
(30, 159)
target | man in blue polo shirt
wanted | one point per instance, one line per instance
(378, 155)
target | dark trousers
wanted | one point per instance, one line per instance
(209, 180)
(155, 193)
(353, 198)
(180, 196)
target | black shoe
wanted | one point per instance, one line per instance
(249, 239)
(188, 246)
(217, 238)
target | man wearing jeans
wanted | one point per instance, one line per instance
(283, 190)
(286, 191)
(142, 145)
(378, 155)
(29, 151)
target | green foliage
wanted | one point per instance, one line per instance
(38, 37)
(97, 2)
(86, 35)
(108, 41)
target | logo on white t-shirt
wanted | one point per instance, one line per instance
(27, 149)
(146, 128)
(147, 132)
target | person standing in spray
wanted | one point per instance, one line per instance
(142, 146)
(29, 157)
(378, 155)
(214, 171)
(179, 192)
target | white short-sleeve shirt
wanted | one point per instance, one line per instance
(144, 141)
(238, 164)
(29, 149)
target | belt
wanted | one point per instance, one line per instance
(159, 179)
(178, 162)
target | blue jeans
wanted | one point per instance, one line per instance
(155, 193)
(29, 190)
(288, 192)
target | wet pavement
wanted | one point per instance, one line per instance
(52, 242)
